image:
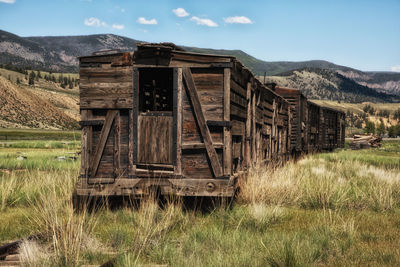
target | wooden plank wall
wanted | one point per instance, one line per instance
(105, 86)
(247, 122)
(209, 84)
(313, 127)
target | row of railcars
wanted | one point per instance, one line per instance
(313, 127)
(179, 123)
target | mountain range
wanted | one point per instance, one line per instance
(59, 54)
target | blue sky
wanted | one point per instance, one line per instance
(362, 34)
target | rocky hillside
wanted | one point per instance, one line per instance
(23, 106)
(326, 84)
(388, 82)
(60, 54)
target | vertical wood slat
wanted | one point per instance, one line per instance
(132, 166)
(248, 125)
(227, 152)
(155, 139)
(253, 127)
(85, 146)
(178, 118)
(135, 110)
(89, 141)
(273, 128)
(205, 132)
(117, 142)
(105, 131)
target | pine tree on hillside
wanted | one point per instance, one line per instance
(381, 128)
(39, 75)
(32, 78)
(369, 127)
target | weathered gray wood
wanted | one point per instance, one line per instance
(248, 125)
(135, 110)
(205, 132)
(227, 152)
(84, 145)
(178, 165)
(106, 103)
(199, 145)
(238, 128)
(117, 144)
(155, 139)
(132, 166)
(253, 128)
(84, 123)
(105, 131)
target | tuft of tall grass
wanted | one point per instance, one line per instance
(151, 224)
(316, 182)
(55, 217)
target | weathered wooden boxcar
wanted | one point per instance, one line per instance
(181, 123)
(332, 128)
(313, 127)
(298, 122)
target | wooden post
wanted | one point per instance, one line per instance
(253, 128)
(227, 131)
(178, 118)
(133, 128)
(273, 130)
(84, 145)
(201, 121)
(248, 125)
(117, 150)
(132, 167)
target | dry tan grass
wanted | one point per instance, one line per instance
(22, 107)
(318, 183)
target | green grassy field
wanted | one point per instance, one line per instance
(335, 209)
(34, 135)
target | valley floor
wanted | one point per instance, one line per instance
(340, 208)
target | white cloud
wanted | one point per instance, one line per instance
(396, 68)
(180, 12)
(94, 22)
(206, 22)
(8, 1)
(142, 20)
(238, 19)
(118, 26)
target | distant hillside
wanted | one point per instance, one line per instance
(60, 54)
(326, 84)
(24, 106)
(56, 53)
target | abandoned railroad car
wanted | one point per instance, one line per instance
(332, 128)
(313, 127)
(180, 123)
(298, 104)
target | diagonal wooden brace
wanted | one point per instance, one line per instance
(201, 121)
(105, 132)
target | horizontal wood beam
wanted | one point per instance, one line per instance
(220, 123)
(91, 123)
(199, 145)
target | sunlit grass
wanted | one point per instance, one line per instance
(335, 209)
